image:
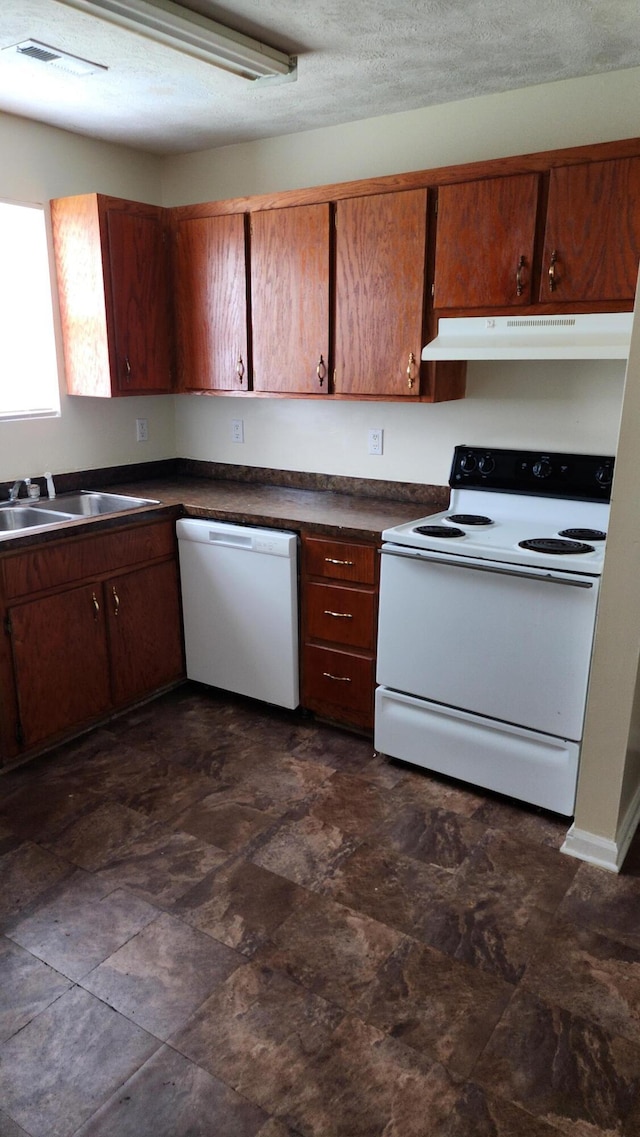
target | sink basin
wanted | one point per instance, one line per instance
(90, 504)
(13, 518)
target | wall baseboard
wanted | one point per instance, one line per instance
(602, 851)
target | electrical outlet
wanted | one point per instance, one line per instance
(237, 430)
(142, 430)
(375, 440)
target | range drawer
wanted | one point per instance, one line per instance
(339, 684)
(340, 560)
(341, 615)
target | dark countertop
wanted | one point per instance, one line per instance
(323, 511)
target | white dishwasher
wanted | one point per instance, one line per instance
(240, 608)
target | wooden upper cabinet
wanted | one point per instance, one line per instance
(210, 288)
(113, 283)
(290, 299)
(380, 283)
(592, 234)
(485, 242)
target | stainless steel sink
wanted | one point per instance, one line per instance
(13, 518)
(88, 503)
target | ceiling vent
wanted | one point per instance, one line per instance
(55, 57)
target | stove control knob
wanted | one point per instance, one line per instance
(542, 468)
(486, 464)
(604, 475)
(468, 463)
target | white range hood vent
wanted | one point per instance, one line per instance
(602, 336)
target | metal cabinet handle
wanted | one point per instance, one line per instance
(127, 367)
(519, 284)
(339, 615)
(552, 270)
(116, 598)
(337, 678)
(321, 371)
(96, 606)
(333, 561)
(240, 369)
(411, 370)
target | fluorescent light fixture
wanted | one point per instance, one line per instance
(177, 27)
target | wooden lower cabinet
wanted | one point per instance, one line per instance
(339, 623)
(77, 649)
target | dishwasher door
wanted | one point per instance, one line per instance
(240, 608)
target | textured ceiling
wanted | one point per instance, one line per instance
(356, 59)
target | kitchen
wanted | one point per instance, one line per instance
(572, 407)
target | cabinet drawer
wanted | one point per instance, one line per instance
(340, 561)
(338, 684)
(341, 615)
(84, 558)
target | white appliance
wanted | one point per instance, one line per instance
(486, 623)
(588, 336)
(240, 608)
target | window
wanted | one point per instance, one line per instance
(28, 364)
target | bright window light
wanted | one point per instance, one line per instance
(28, 364)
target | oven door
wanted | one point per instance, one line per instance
(505, 642)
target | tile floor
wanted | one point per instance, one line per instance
(222, 920)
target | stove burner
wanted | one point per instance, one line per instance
(469, 519)
(584, 534)
(555, 545)
(439, 531)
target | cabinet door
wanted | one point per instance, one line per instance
(290, 299)
(592, 235)
(60, 662)
(143, 338)
(211, 303)
(484, 242)
(145, 632)
(380, 273)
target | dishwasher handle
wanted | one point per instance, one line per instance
(222, 534)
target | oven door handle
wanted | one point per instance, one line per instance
(543, 576)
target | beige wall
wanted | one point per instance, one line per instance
(36, 164)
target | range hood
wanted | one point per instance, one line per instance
(601, 336)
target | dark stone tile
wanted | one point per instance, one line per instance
(561, 1068)
(228, 824)
(93, 840)
(365, 1084)
(80, 923)
(435, 1004)
(589, 975)
(258, 1033)
(518, 872)
(27, 986)
(38, 811)
(8, 1128)
(606, 902)
(433, 791)
(170, 1097)
(264, 778)
(160, 789)
(330, 949)
(339, 749)
(66, 1062)
(161, 866)
(433, 835)
(161, 975)
(526, 821)
(350, 803)
(241, 904)
(26, 872)
(275, 1128)
(305, 851)
(477, 1114)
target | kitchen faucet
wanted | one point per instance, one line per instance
(15, 489)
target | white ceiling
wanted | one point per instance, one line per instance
(356, 59)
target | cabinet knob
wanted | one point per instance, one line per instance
(240, 369)
(321, 371)
(552, 271)
(411, 370)
(519, 284)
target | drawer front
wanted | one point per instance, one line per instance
(340, 560)
(75, 559)
(341, 615)
(338, 685)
